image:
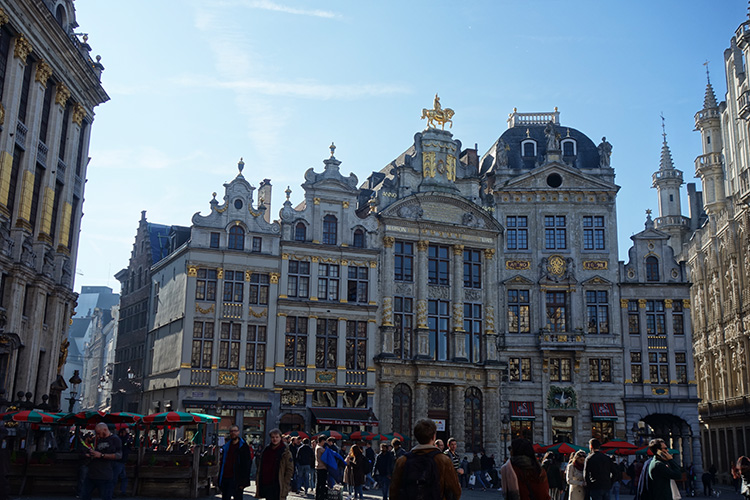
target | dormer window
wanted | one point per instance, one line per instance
(61, 16)
(568, 147)
(300, 232)
(652, 269)
(359, 238)
(236, 238)
(329, 229)
(528, 148)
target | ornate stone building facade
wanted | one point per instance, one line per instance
(718, 255)
(49, 87)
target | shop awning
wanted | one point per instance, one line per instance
(603, 411)
(226, 405)
(522, 410)
(344, 416)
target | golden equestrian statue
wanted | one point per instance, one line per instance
(438, 114)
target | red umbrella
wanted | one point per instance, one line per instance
(34, 416)
(361, 435)
(620, 445)
(563, 448)
(398, 436)
(301, 434)
(176, 417)
(334, 434)
(538, 448)
(380, 437)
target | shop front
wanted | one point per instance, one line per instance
(249, 416)
(522, 419)
(603, 418)
(344, 420)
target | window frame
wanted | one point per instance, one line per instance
(519, 304)
(555, 232)
(472, 268)
(594, 233)
(555, 322)
(236, 239)
(438, 265)
(256, 361)
(329, 279)
(358, 284)
(330, 229)
(295, 342)
(517, 232)
(326, 343)
(403, 253)
(597, 305)
(298, 279)
(652, 268)
(403, 321)
(600, 370)
(438, 326)
(473, 326)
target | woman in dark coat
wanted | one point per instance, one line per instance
(355, 471)
(554, 476)
(522, 476)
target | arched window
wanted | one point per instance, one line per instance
(300, 232)
(329, 229)
(569, 147)
(528, 148)
(473, 420)
(236, 238)
(60, 15)
(359, 238)
(652, 269)
(402, 410)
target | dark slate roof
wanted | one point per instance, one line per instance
(159, 239)
(587, 154)
(79, 327)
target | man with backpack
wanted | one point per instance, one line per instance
(425, 473)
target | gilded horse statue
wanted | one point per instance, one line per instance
(438, 114)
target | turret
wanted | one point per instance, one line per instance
(667, 181)
(709, 166)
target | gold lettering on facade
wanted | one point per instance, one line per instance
(595, 265)
(518, 265)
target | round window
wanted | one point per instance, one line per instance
(238, 204)
(554, 180)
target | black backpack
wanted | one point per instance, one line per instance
(420, 479)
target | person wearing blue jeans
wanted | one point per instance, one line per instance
(383, 469)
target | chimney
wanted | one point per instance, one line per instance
(264, 198)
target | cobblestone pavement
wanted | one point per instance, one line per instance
(726, 493)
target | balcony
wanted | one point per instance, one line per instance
(255, 379)
(561, 341)
(743, 34)
(294, 375)
(657, 342)
(231, 310)
(672, 220)
(61, 168)
(705, 115)
(356, 377)
(731, 407)
(41, 154)
(707, 161)
(517, 119)
(21, 131)
(200, 377)
(743, 104)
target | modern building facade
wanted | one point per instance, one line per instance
(49, 87)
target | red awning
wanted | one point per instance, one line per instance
(344, 416)
(603, 411)
(522, 410)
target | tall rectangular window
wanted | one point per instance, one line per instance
(634, 322)
(295, 342)
(330, 231)
(234, 286)
(298, 284)
(600, 370)
(404, 261)
(472, 269)
(597, 311)
(559, 370)
(203, 344)
(438, 265)
(205, 285)
(328, 282)
(326, 340)
(64, 133)
(36, 193)
(555, 234)
(556, 312)
(678, 319)
(519, 369)
(259, 283)
(473, 328)
(5, 37)
(680, 361)
(257, 244)
(15, 171)
(403, 320)
(593, 232)
(229, 346)
(356, 345)
(255, 351)
(46, 106)
(655, 318)
(636, 368)
(215, 240)
(658, 367)
(438, 320)
(25, 90)
(518, 311)
(357, 284)
(79, 153)
(517, 232)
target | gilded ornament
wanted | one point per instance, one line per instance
(438, 114)
(43, 72)
(423, 245)
(79, 113)
(556, 265)
(2, 113)
(248, 274)
(686, 303)
(624, 303)
(518, 265)
(62, 95)
(3, 16)
(668, 303)
(316, 201)
(489, 253)
(458, 250)
(326, 377)
(450, 171)
(595, 265)
(192, 271)
(228, 378)
(260, 314)
(429, 166)
(220, 273)
(373, 264)
(209, 310)
(222, 209)
(388, 241)
(274, 278)
(345, 204)
(642, 303)
(22, 48)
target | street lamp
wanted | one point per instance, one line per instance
(505, 423)
(75, 381)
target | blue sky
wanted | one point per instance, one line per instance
(195, 85)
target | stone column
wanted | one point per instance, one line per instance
(314, 278)
(457, 343)
(492, 426)
(423, 341)
(387, 275)
(341, 353)
(669, 326)
(491, 302)
(420, 403)
(385, 412)
(458, 422)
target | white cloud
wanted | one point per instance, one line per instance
(276, 7)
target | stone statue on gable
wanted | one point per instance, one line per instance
(605, 151)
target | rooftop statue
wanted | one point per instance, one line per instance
(438, 114)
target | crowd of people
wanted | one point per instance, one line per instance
(433, 471)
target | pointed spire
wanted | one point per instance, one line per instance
(666, 155)
(709, 101)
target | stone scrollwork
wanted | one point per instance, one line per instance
(489, 319)
(421, 313)
(387, 311)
